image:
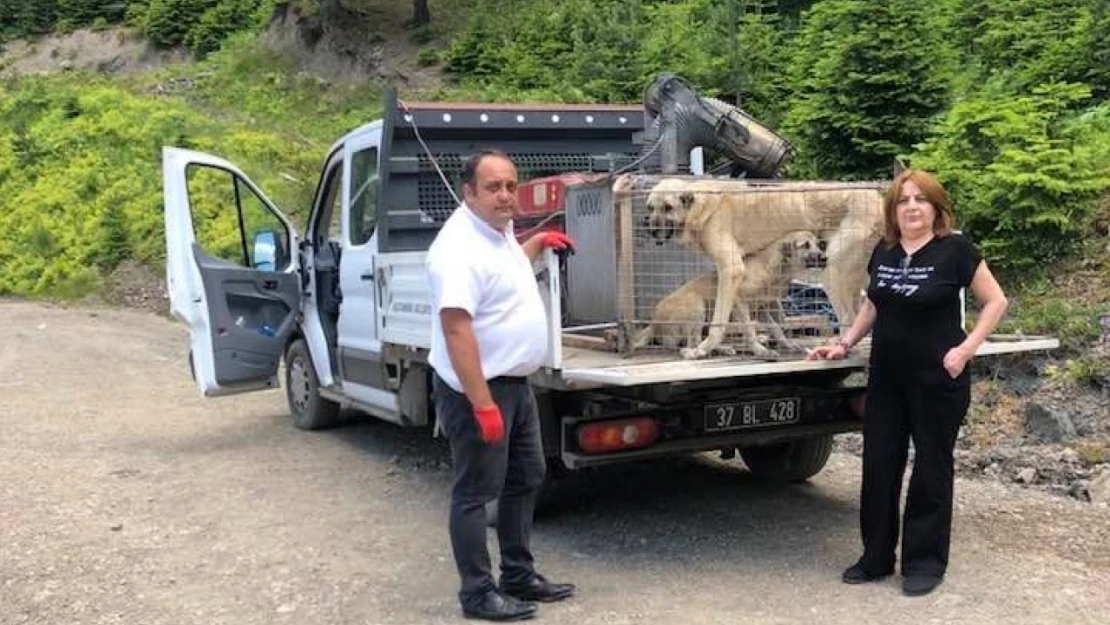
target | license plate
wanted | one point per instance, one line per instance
(752, 414)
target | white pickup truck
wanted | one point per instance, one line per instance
(346, 304)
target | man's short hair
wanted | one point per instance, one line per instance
(470, 167)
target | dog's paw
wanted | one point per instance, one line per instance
(691, 353)
(725, 351)
(759, 351)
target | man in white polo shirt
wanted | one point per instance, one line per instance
(489, 332)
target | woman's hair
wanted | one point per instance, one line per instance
(933, 191)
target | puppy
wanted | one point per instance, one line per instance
(729, 219)
(678, 319)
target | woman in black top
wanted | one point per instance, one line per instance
(919, 386)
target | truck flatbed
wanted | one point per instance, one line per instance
(583, 367)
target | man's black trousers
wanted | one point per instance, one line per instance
(511, 471)
(927, 405)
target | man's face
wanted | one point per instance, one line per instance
(493, 194)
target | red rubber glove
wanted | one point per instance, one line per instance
(557, 241)
(490, 424)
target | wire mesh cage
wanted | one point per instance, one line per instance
(707, 267)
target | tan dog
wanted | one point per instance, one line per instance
(729, 219)
(680, 316)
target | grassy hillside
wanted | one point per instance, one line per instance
(80, 178)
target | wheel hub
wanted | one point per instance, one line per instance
(299, 384)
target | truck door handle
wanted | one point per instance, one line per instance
(269, 284)
(367, 276)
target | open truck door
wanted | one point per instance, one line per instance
(231, 272)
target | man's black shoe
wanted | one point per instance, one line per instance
(494, 606)
(539, 589)
(856, 574)
(917, 585)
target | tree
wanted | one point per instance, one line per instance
(869, 76)
(1023, 173)
(20, 18)
(1098, 52)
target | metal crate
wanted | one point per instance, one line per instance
(626, 266)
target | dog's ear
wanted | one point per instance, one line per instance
(687, 199)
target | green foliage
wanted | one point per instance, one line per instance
(587, 51)
(81, 180)
(201, 25)
(265, 91)
(1074, 323)
(423, 35)
(1005, 99)
(223, 19)
(27, 18)
(427, 57)
(577, 50)
(1035, 41)
(1023, 177)
(866, 82)
(1082, 371)
(20, 18)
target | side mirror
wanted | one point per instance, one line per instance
(268, 251)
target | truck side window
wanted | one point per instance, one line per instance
(330, 199)
(364, 195)
(231, 222)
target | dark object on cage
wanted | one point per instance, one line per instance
(807, 299)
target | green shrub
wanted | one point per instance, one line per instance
(868, 76)
(427, 57)
(1075, 324)
(201, 25)
(81, 179)
(423, 35)
(1023, 172)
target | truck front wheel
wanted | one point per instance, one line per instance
(790, 461)
(302, 390)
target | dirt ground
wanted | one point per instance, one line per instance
(127, 498)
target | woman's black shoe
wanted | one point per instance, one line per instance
(856, 574)
(917, 585)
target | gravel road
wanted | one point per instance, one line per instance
(127, 498)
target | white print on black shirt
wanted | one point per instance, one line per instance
(901, 279)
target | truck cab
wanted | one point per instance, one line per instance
(345, 304)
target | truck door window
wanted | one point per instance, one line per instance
(330, 201)
(231, 222)
(364, 195)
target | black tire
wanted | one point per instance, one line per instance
(302, 390)
(791, 461)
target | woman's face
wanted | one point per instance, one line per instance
(916, 214)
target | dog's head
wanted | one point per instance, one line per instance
(802, 250)
(668, 204)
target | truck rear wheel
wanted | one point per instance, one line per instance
(790, 461)
(302, 390)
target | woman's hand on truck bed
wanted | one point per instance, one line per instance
(836, 351)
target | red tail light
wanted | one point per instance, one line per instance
(858, 402)
(617, 435)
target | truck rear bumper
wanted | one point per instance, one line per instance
(577, 460)
(611, 431)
